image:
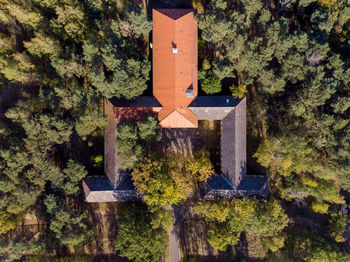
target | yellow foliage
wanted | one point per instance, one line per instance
(201, 166)
(309, 181)
(8, 222)
(197, 4)
(328, 4)
(23, 16)
(320, 207)
(286, 163)
(206, 64)
(238, 91)
(274, 243)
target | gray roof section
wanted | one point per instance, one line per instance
(215, 101)
(219, 187)
(233, 144)
(111, 160)
(211, 113)
(213, 107)
(110, 156)
(255, 185)
(141, 101)
(219, 182)
(99, 189)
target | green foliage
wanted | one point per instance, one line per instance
(169, 179)
(151, 178)
(74, 173)
(201, 166)
(220, 236)
(9, 222)
(133, 139)
(228, 220)
(12, 250)
(72, 19)
(238, 91)
(337, 226)
(68, 225)
(320, 207)
(286, 155)
(213, 211)
(88, 122)
(211, 85)
(115, 57)
(197, 4)
(42, 45)
(206, 65)
(73, 258)
(137, 240)
(148, 129)
(138, 21)
(23, 14)
(162, 218)
(308, 247)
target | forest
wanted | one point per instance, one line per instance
(60, 58)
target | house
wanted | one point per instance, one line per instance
(176, 103)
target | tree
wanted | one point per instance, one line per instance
(134, 138)
(169, 179)
(211, 85)
(151, 178)
(320, 207)
(238, 91)
(213, 211)
(117, 66)
(74, 173)
(9, 221)
(69, 226)
(42, 45)
(162, 218)
(89, 122)
(220, 236)
(23, 15)
(201, 166)
(264, 221)
(305, 245)
(137, 240)
(139, 22)
(286, 155)
(337, 226)
(149, 130)
(71, 16)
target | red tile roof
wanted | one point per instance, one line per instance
(174, 73)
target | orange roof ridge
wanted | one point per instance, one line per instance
(175, 54)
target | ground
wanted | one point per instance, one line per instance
(188, 140)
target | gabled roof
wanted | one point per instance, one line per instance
(177, 120)
(175, 65)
